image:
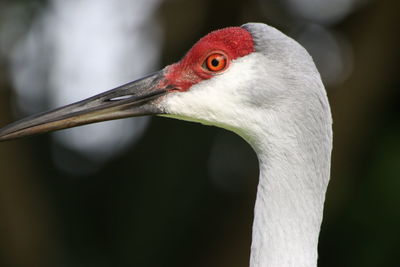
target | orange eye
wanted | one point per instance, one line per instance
(215, 62)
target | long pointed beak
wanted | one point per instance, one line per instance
(136, 98)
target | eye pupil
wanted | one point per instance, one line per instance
(215, 62)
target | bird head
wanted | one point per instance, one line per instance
(222, 80)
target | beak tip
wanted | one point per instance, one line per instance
(6, 136)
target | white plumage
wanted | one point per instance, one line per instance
(275, 100)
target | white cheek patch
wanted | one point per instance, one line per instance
(217, 101)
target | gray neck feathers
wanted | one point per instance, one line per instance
(292, 137)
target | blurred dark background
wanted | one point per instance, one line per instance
(162, 192)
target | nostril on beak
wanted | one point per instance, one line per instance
(119, 98)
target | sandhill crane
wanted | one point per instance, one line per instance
(260, 84)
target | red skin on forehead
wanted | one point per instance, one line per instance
(235, 42)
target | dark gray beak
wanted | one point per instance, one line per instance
(136, 98)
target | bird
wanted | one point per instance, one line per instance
(259, 83)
